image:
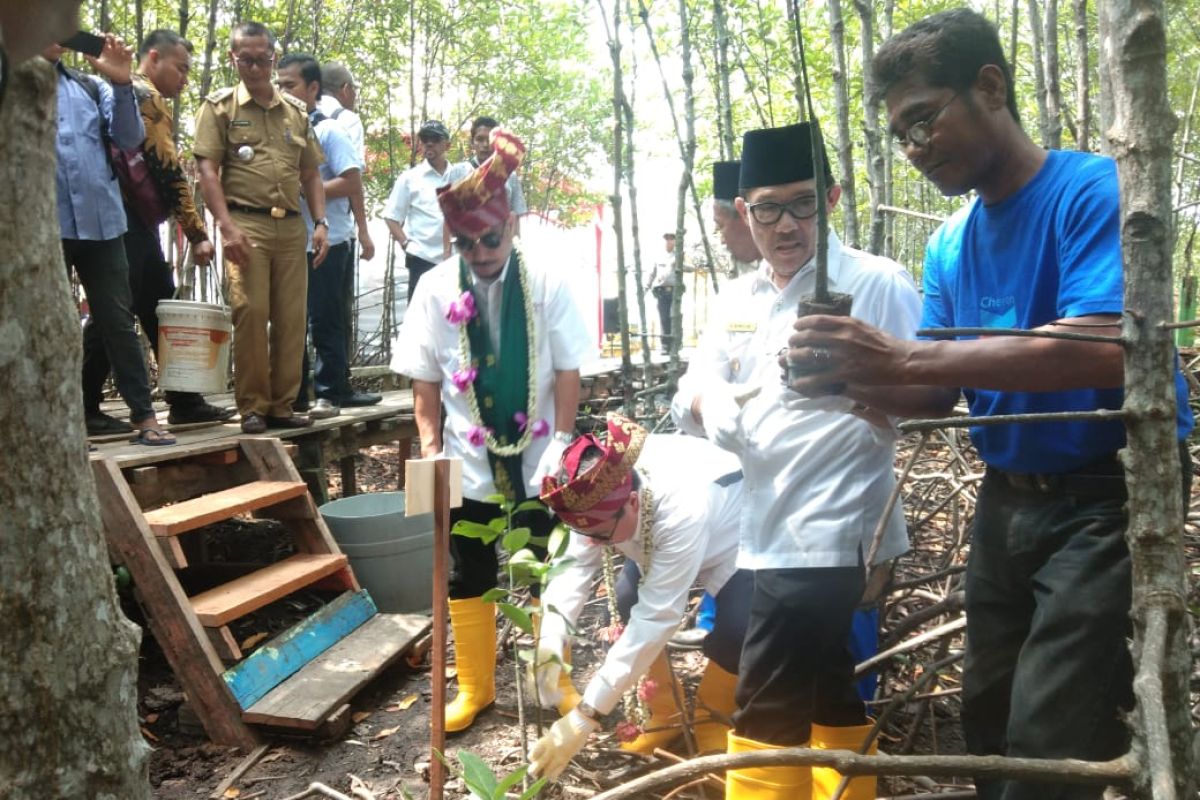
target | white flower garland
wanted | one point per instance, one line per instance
(464, 357)
(633, 705)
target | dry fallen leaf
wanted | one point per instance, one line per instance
(151, 719)
(406, 702)
(359, 716)
(383, 734)
(253, 640)
(232, 792)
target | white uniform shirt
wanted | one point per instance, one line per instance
(413, 203)
(350, 121)
(817, 477)
(427, 349)
(694, 535)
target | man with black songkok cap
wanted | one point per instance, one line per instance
(735, 233)
(500, 343)
(817, 473)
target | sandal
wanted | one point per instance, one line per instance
(153, 437)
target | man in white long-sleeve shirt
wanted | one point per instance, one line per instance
(817, 473)
(675, 527)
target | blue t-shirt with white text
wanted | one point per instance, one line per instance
(1050, 251)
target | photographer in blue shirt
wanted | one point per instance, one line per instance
(91, 217)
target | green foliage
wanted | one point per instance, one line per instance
(481, 782)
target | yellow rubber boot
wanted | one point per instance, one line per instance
(765, 783)
(715, 692)
(663, 711)
(474, 625)
(825, 779)
(570, 696)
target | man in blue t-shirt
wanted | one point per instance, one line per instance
(1048, 585)
(300, 76)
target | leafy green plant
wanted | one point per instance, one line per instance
(484, 784)
(523, 570)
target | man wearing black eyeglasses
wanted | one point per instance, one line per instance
(1048, 673)
(254, 151)
(499, 342)
(817, 475)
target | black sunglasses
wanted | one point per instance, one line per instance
(604, 537)
(490, 240)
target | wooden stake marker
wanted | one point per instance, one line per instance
(435, 484)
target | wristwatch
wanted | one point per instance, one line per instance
(588, 711)
(566, 437)
(321, 221)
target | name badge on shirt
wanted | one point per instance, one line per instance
(741, 327)
(240, 123)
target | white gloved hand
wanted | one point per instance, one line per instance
(722, 417)
(548, 464)
(542, 682)
(550, 755)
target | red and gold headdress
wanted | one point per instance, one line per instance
(479, 202)
(586, 500)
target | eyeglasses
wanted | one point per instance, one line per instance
(249, 63)
(604, 537)
(491, 240)
(919, 134)
(768, 213)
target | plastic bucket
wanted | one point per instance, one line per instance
(193, 346)
(391, 554)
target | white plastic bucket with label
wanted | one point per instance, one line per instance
(193, 346)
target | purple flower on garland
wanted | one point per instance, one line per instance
(522, 419)
(477, 436)
(463, 378)
(540, 428)
(462, 310)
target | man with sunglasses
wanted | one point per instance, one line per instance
(412, 213)
(1048, 673)
(675, 527)
(499, 342)
(817, 473)
(254, 151)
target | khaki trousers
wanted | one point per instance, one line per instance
(269, 296)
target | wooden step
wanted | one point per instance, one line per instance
(239, 597)
(323, 685)
(209, 508)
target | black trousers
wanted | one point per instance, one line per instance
(796, 667)
(1048, 673)
(475, 566)
(416, 267)
(663, 296)
(109, 333)
(327, 326)
(150, 280)
(724, 642)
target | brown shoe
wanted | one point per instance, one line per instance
(294, 421)
(253, 423)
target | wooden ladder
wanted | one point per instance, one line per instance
(302, 679)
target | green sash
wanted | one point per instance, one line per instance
(502, 382)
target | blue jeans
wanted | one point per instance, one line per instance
(104, 273)
(327, 325)
(1048, 672)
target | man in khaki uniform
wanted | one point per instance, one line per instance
(255, 150)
